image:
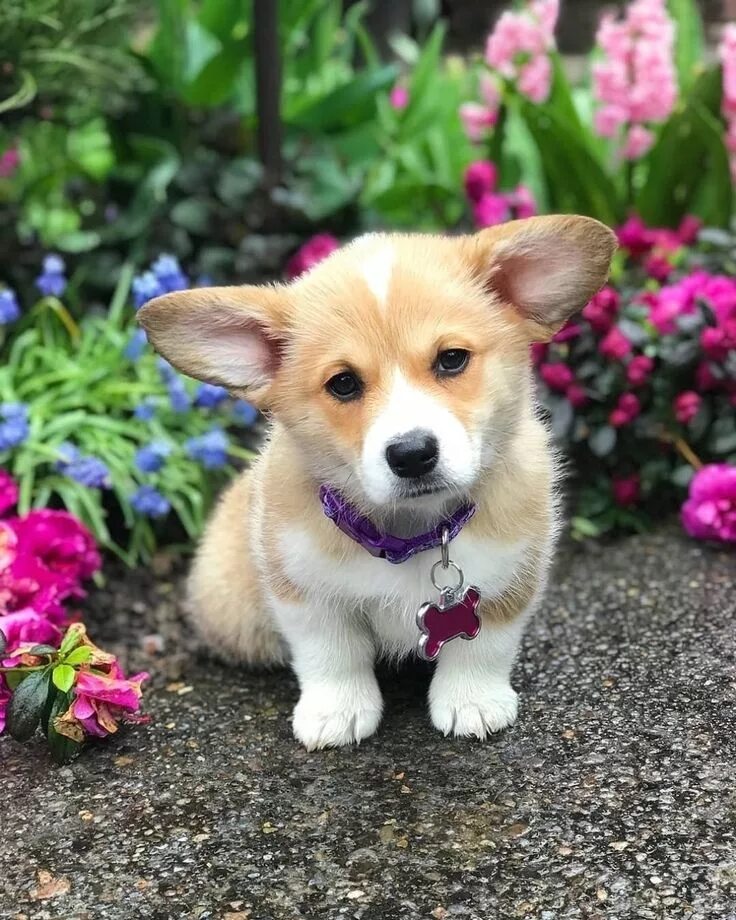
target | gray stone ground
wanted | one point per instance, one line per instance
(613, 797)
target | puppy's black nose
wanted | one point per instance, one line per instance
(414, 454)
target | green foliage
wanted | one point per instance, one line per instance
(80, 388)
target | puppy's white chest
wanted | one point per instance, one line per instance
(390, 595)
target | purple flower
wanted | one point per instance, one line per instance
(9, 309)
(209, 396)
(244, 412)
(136, 345)
(88, 471)
(710, 511)
(13, 425)
(9, 162)
(145, 287)
(166, 371)
(150, 502)
(150, 458)
(209, 449)
(180, 401)
(146, 410)
(52, 282)
(168, 273)
(481, 178)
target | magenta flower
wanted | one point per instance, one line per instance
(480, 177)
(686, 406)
(8, 491)
(600, 312)
(522, 202)
(491, 210)
(626, 489)
(615, 345)
(710, 511)
(557, 376)
(59, 541)
(634, 236)
(576, 395)
(539, 352)
(9, 162)
(313, 251)
(627, 409)
(399, 97)
(568, 332)
(27, 626)
(639, 370)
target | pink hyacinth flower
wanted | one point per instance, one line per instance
(477, 120)
(491, 210)
(399, 97)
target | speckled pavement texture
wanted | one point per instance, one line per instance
(613, 796)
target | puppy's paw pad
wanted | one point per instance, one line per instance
(320, 722)
(475, 718)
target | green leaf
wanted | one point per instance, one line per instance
(26, 705)
(43, 650)
(80, 655)
(687, 171)
(602, 441)
(347, 105)
(63, 677)
(3, 643)
(690, 47)
(15, 677)
(62, 749)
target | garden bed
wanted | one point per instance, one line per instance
(608, 798)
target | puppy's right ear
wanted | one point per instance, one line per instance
(231, 336)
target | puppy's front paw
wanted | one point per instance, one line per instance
(330, 716)
(472, 712)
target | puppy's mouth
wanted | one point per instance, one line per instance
(420, 489)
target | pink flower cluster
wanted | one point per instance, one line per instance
(657, 247)
(491, 206)
(517, 49)
(9, 162)
(727, 53)
(710, 510)
(312, 252)
(44, 558)
(635, 82)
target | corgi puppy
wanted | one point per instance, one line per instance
(405, 497)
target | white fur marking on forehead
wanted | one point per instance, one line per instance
(376, 259)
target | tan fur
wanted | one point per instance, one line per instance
(443, 293)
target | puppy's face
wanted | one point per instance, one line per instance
(400, 364)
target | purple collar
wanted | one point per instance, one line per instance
(385, 545)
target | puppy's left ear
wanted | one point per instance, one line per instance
(546, 268)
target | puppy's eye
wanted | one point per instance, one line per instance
(451, 362)
(345, 386)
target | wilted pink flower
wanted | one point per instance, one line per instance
(25, 582)
(8, 491)
(101, 702)
(313, 251)
(9, 162)
(5, 696)
(626, 489)
(614, 345)
(399, 97)
(490, 210)
(686, 406)
(477, 120)
(480, 178)
(576, 395)
(557, 376)
(627, 409)
(639, 370)
(710, 511)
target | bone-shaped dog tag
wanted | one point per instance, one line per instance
(454, 616)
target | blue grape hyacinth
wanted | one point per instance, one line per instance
(88, 471)
(13, 425)
(209, 449)
(151, 457)
(9, 307)
(52, 281)
(209, 396)
(150, 502)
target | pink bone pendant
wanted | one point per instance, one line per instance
(440, 624)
